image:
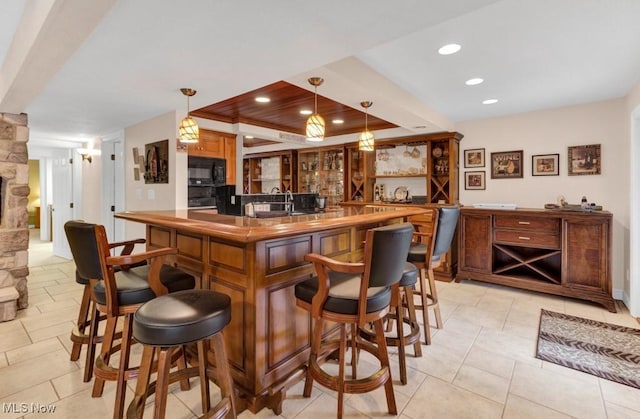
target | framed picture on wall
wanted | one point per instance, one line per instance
(474, 157)
(584, 160)
(545, 165)
(506, 164)
(156, 169)
(474, 181)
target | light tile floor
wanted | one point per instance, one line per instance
(480, 365)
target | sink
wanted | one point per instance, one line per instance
(281, 213)
(271, 214)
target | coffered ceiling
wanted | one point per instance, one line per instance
(282, 112)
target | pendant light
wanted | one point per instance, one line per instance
(315, 123)
(366, 138)
(189, 131)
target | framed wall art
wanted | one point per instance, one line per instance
(474, 157)
(545, 165)
(584, 160)
(156, 169)
(474, 181)
(506, 164)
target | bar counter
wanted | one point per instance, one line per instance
(258, 262)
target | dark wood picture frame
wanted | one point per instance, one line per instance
(474, 158)
(545, 165)
(156, 168)
(475, 181)
(506, 164)
(584, 160)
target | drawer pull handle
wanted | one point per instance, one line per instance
(524, 238)
(526, 223)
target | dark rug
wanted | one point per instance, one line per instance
(605, 350)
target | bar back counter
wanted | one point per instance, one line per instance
(257, 262)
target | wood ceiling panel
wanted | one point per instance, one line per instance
(282, 113)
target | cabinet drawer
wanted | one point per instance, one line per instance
(527, 223)
(527, 238)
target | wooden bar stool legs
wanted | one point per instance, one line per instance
(428, 299)
(85, 332)
(164, 325)
(402, 311)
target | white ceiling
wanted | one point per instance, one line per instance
(130, 64)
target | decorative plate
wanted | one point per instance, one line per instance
(400, 193)
(436, 152)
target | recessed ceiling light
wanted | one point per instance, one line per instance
(474, 81)
(449, 49)
(263, 99)
(489, 101)
(338, 121)
(249, 137)
(306, 112)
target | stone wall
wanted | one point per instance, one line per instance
(14, 232)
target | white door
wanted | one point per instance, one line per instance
(113, 185)
(62, 204)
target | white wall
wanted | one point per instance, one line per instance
(140, 196)
(632, 287)
(91, 195)
(551, 131)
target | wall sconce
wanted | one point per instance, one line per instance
(88, 153)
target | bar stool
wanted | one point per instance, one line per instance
(354, 294)
(80, 333)
(164, 325)
(435, 232)
(118, 291)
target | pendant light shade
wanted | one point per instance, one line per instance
(315, 123)
(188, 129)
(366, 138)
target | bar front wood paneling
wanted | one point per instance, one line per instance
(258, 262)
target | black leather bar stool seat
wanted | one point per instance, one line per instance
(133, 286)
(163, 325)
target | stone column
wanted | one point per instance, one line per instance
(14, 232)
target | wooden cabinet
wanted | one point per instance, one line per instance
(360, 179)
(270, 172)
(217, 144)
(321, 171)
(422, 165)
(230, 157)
(558, 252)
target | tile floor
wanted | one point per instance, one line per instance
(480, 365)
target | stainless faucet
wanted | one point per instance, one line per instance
(289, 198)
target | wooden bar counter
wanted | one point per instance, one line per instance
(257, 262)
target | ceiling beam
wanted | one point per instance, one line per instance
(48, 34)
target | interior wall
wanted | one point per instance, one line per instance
(552, 131)
(632, 286)
(141, 196)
